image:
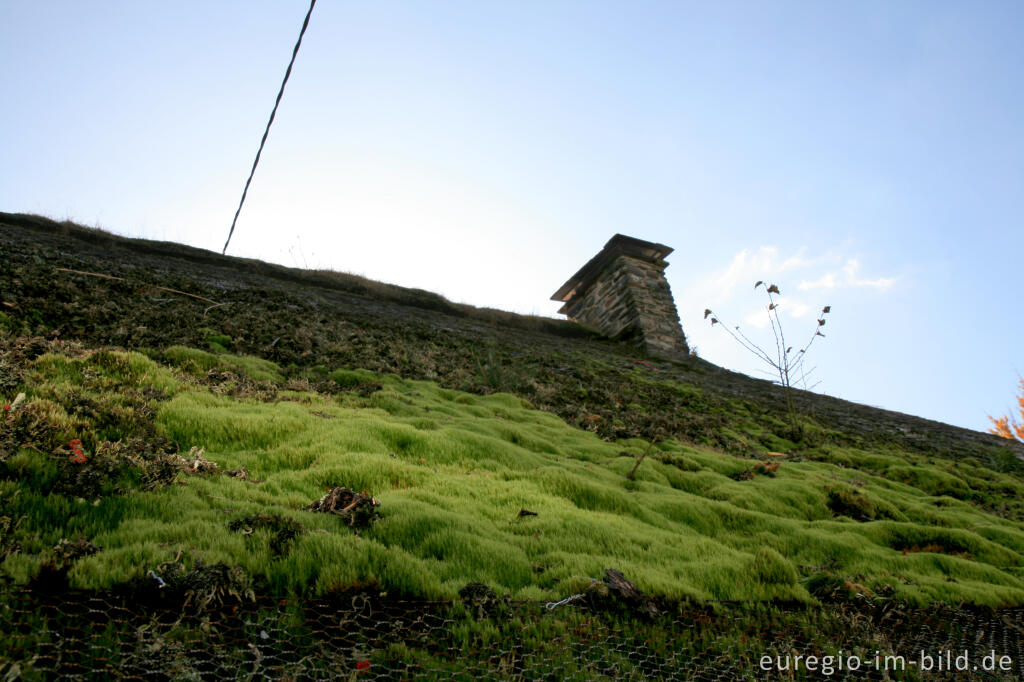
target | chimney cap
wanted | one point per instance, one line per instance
(618, 245)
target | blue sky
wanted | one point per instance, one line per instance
(868, 156)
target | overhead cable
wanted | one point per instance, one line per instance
(266, 132)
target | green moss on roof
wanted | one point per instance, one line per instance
(452, 471)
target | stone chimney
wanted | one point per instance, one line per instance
(622, 293)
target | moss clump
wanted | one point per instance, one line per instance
(199, 362)
(931, 480)
(359, 381)
(282, 529)
(771, 568)
(845, 501)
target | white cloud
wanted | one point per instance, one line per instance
(797, 310)
(851, 269)
(826, 281)
(838, 278)
(794, 262)
(787, 307)
(756, 318)
(743, 264)
(746, 267)
(829, 271)
(846, 277)
(882, 283)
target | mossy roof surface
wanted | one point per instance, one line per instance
(452, 471)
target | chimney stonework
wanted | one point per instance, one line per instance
(622, 293)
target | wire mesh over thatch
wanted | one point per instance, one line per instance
(358, 509)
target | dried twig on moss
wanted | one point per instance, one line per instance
(357, 509)
(204, 586)
(122, 279)
(66, 552)
(616, 586)
(637, 465)
(241, 474)
(197, 464)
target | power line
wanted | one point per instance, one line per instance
(266, 132)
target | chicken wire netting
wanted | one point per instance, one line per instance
(367, 636)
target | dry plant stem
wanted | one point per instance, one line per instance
(217, 305)
(752, 347)
(782, 365)
(783, 356)
(637, 465)
(780, 341)
(122, 279)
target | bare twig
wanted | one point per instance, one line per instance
(91, 274)
(122, 279)
(637, 465)
(217, 305)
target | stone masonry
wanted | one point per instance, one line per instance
(622, 293)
